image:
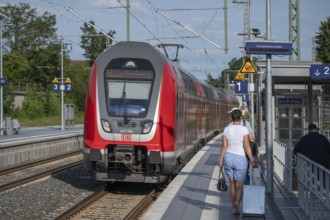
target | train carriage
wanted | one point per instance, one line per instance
(145, 115)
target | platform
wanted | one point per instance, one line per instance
(193, 194)
(38, 143)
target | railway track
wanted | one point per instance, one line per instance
(38, 163)
(33, 177)
(113, 202)
(37, 176)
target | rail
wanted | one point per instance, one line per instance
(283, 165)
(313, 188)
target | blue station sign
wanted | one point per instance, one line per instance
(241, 86)
(66, 87)
(246, 97)
(3, 81)
(318, 71)
(289, 101)
(269, 47)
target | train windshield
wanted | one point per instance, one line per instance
(129, 87)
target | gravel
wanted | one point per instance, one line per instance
(45, 198)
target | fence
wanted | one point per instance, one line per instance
(283, 164)
(313, 188)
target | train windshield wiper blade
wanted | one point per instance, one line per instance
(125, 114)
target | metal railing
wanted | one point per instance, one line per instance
(283, 164)
(313, 188)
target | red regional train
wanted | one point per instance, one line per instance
(145, 116)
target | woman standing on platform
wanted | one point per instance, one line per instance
(235, 147)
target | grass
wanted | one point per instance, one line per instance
(49, 121)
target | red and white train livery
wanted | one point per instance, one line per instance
(145, 116)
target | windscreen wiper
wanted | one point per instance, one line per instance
(125, 114)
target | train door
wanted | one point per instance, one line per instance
(186, 128)
(179, 136)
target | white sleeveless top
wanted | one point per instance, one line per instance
(235, 137)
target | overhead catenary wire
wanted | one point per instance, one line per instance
(198, 54)
(190, 9)
(192, 31)
(139, 21)
(89, 23)
(187, 44)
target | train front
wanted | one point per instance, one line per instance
(130, 115)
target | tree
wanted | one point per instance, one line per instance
(323, 42)
(94, 43)
(214, 82)
(15, 66)
(33, 38)
(234, 66)
(79, 74)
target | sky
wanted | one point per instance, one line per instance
(197, 25)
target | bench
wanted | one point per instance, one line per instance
(17, 126)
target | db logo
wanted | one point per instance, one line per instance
(126, 137)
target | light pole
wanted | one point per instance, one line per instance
(128, 19)
(1, 76)
(62, 87)
(1, 89)
(247, 36)
(269, 113)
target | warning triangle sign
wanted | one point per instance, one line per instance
(55, 80)
(239, 76)
(248, 67)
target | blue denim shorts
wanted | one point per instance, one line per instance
(235, 166)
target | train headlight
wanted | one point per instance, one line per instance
(106, 125)
(147, 127)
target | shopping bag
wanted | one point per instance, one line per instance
(222, 186)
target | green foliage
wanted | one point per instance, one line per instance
(40, 104)
(323, 42)
(15, 66)
(32, 107)
(78, 74)
(52, 103)
(25, 29)
(8, 100)
(94, 43)
(32, 56)
(31, 44)
(214, 82)
(227, 74)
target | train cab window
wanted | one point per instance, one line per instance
(128, 87)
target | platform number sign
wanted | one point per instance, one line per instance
(241, 86)
(246, 97)
(56, 87)
(60, 84)
(3, 81)
(66, 87)
(318, 71)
